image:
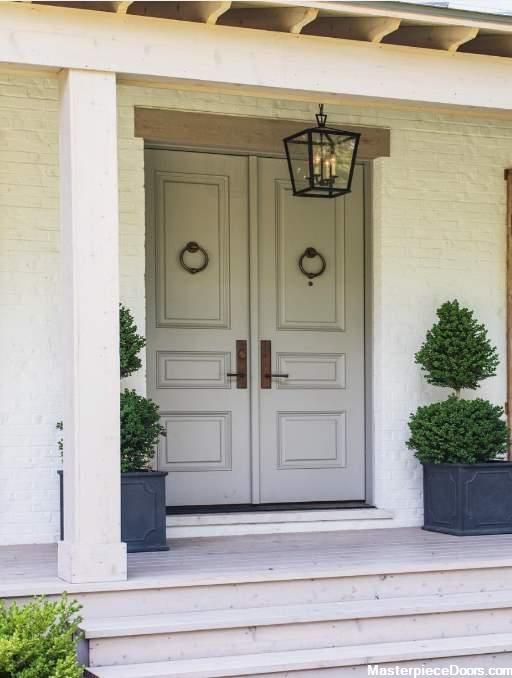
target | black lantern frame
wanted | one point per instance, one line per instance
(321, 159)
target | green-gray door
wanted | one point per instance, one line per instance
(303, 438)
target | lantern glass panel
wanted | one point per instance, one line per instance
(333, 156)
(298, 159)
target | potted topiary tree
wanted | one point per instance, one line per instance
(467, 486)
(143, 515)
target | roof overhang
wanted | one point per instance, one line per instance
(393, 23)
(356, 50)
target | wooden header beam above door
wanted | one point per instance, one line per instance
(260, 136)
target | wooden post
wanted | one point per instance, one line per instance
(92, 549)
(508, 405)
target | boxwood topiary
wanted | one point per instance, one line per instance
(39, 639)
(457, 354)
(130, 343)
(140, 431)
(458, 431)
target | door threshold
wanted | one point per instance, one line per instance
(257, 508)
(273, 522)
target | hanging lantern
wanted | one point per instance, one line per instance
(321, 159)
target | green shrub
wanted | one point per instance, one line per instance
(130, 343)
(457, 352)
(39, 639)
(139, 416)
(458, 431)
(140, 431)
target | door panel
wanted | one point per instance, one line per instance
(311, 422)
(194, 320)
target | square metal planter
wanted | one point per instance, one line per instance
(468, 499)
(143, 516)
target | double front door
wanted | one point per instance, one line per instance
(255, 329)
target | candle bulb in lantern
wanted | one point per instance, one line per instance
(333, 165)
(316, 163)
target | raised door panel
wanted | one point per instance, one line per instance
(311, 370)
(305, 303)
(196, 441)
(194, 208)
(311, 440)
(193, 369)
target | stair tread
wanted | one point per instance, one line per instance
(108, 627)
(296, 660)
(281, 517)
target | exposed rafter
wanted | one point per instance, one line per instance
(375, 22)
(369, 29)
(286, 19)
(448, 38)
(121, 7)
(201, 12)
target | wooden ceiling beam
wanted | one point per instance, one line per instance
(368, 29)
(496, 45)
(197, 11)
(447, 38)
(284, 19)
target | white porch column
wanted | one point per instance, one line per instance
(92, 549)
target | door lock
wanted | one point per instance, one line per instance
(267, 375)
(241, 364)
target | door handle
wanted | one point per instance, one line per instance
(241, 364)
(267, 375)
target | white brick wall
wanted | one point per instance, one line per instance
(439, 233)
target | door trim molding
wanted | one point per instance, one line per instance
(368, 300)
(254, 329)
(248, 135)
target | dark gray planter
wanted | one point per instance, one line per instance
(143, 511)
(468, 499)
(143, 515)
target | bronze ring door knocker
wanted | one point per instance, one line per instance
(194, 247)
(311, 253)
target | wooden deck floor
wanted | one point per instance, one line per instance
(32, 569)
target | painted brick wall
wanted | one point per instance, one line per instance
(31, 385)
(438, 232)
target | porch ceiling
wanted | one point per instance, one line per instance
(390, 23)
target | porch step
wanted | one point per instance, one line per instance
(275, 522)
(305, 661)
(139, 625)
(142, 638)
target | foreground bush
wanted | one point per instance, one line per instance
(39, 639)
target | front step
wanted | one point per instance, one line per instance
(490, 650)
(192, 635)
(275, 522)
